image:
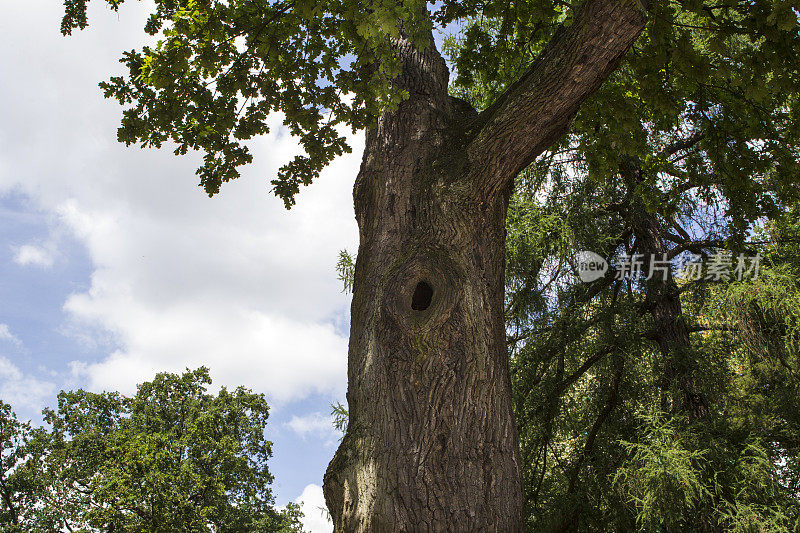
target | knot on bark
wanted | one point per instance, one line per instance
(422, 291)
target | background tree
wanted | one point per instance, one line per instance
(691, 141)
(21, 483)
(171, 458)
(431, 442)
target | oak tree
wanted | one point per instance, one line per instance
(431, 441)
(172, 457)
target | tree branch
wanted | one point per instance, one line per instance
(700, 328)
(537, 109)
(695, 247)
(569, 522)
(683, 144)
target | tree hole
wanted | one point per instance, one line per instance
(421, 299)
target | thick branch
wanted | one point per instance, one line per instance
(695, 247)
(683, 144)
(537, 109)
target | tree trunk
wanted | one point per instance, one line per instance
(663, 303)
(431, 443)
(670, 332)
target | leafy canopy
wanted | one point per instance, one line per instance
(171, 458)
(220, 68)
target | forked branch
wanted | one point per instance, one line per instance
(537, 109)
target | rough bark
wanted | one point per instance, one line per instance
(431, 443)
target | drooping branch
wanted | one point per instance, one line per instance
(569, 523)
(537, 109)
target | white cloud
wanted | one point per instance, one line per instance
(315, 425)
(288, 359)
(30, 254)
(236, 282)
(22, 391)
(6, 335)
(312, 503)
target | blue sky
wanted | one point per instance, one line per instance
(114, 264)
